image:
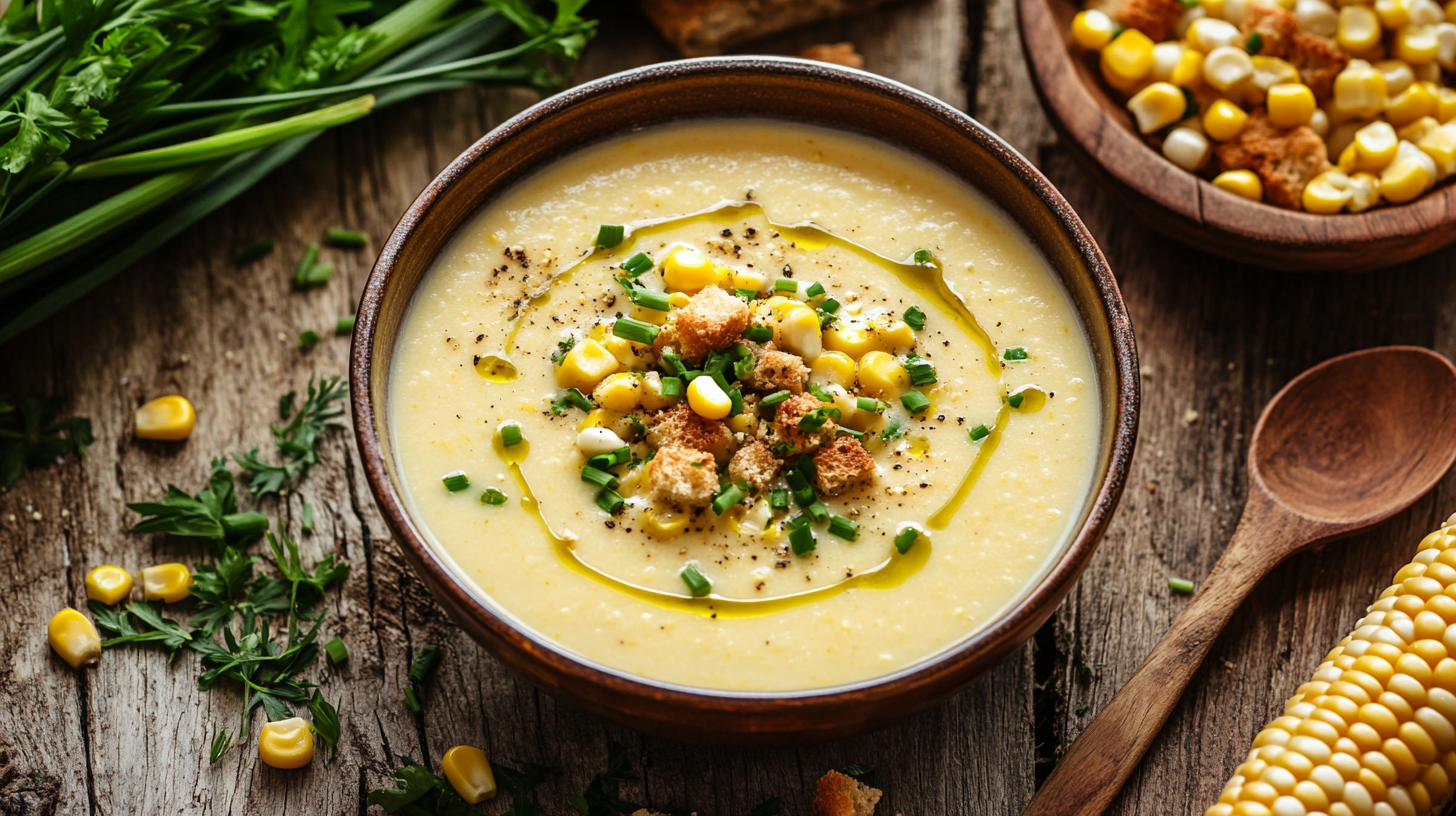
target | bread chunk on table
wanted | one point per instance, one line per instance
(705, 27)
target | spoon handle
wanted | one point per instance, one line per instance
(1092, 772)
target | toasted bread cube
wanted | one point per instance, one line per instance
(842, 464)
(840, 795)
(1276, 28)
(683, 476)
(1284, 160)
(1154, 18)
(680, 425)
(713, 319)
(1318, 60)
(778, 370)
(755, 464)
(785, 428)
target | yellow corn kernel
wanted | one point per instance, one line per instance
(742, 423)
(594, 419)
(168, 583)
(1398, 75)
(1127, 60)
(1224, 120)
(168, 418)
(1440, 144)
(1243, 183)
(677, 300)
(1411, 104)
(1092, 29)
(850, 340)
(587, 364)
(832, 368)
(1268, 72)
(619, 392)
(469, 773)
(1290, 105)
(1327, 193)
(797, 332)
(1359, 29)
(751, 279)
(707, 398)
(1451, 11)
(286, 744)
(1188, 73)
(1416, 44)
(686, 270)
(622, 349)
(108, 584)
(1228, 69)
(1445, 104)
(892, 334)
(1375, 146)
(663, 523)
(1157, 106)
(1417, 130)
(1208, 33)
(74, 638)
(1411, 173)
(1364, 192)
(651, 397)
(1359, 91)
(882, 376)
(1393, 13)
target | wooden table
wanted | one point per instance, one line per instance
(131, 735)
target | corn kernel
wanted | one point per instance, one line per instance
(1417, 130)
(750, 279)
(892, 334)
(1227, 69)
(1092, 29)
(797, 331)
(651, 396)
(1290, 105)
(1393, 13)
(1451, 11)
(286, 744)
(619, 392)
(832, 368)
(882, 376)
(169, 418)
(1319, 122)
(1268, 72)
(1165, 60)
(1224, 120)
(1243, 183)
(74, 638)
(686, 270)
(1359, 29)
(1445, 48)
(1327, 193)
(1212, 9)
(1157, 106)
(708, 399)
(1186, 148)
(587, 364)
(1375, 146)
(850, 340)
(1208, 33)
(1127, 60)
(1364, 192)
(1317, 18)
(1398, 75)
(742, 423)
(1440, 144)
(1188, 73)
(664, 523)
(108, 584)
(1411, 173)
(677, 300)
(469, 773)
(1360, 91)
(168, 583)
(1416, 44)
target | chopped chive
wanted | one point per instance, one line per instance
(824, 396)
(1014, 400)
(1117, 29)
(456, 482)
(620, 456)
(801, 539)
(806, 466)
(980, 432)
(759, 333)
(255, 250)
(843, 431)
(914, 318)
(746, 294)
(492, 497)
(689, 376)
(610, 501)
(413, 701)
(648, 298)
(914, 401)
(1189, 4)
(803, 491)
(305, 263)
(308, 339)
(829, 306)
(637, 264)
(348, 238)
(673, 363)
(892, 431)
(730, 496)
(672, 386)
(796, 522)
(921, 370)
(1014, 353)
(815, 290)
(775, 398)
(570, 398)
(600, 478)
(743, 369)
(1190, 103)
(843, 527)
(818, 512)
(318, 275)
(816, 419)
(1180, 585)
(345, 325)
(1255, 42)
(906, 539)
(924, 257)
(786, 285)
(336, 650)
(306, 522)
(635, 330)
(510, 434)
(609, 235)
(778, 499)
(721, 380)
(735, 402)
(874, 406)
(697, 584)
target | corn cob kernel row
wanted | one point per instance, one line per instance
(1373, 732)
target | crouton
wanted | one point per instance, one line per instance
(683, 476)
(842, 464)
(778, 370)
(713, 319)
(1276, 28)
(785, 428)
(1318, 61)
(837, 53)
(702, 27)
(840, 795)
(1154, 18)
(755, 464)
(1284, 160)
(680, 425)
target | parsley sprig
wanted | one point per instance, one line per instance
(297, 442)
(211, 514)
(33, 435)
(602, 796)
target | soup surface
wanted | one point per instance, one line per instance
(945, 456)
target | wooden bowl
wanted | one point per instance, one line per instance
(1099, 131)
(803, 92)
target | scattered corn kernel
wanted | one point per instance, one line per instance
(892, 334)
(1165, 60)
(74, 638)
(1188, 73)
(1415, 101)
(1157, 106)
(750, 279)
(1393, 13)
(1268, 72)
(1440, 144)
(1416, 44)
(1364, 192)
(1327, 193)
(1417, 130)
(286, 744)
(1224, 120)
(708, 399)
(1319, 122)
(1375, 146)
(1127, 59)
(1290, 105)
(587, 364)
(168, 583)
(1317, 17)
(1092, 29)
(1209, 33)
(1398, 75)
(1241, 183)
(1411, 173)
(1359, 29)
(882, 376)
(1186, 148)
(168, 418)
(797, 331)
(688, 270)
(1227, 68)
(1359, 91)
(1445, 47)
(108, 584)
(469, 773)
(832, 368)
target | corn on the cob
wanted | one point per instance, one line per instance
(1372, 733)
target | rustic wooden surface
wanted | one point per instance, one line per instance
(130, 735)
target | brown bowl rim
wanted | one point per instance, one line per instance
(1345, 241)
(1121, 424)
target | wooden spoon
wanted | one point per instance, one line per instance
(1346, 445)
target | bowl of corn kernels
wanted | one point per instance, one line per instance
(1295, 134)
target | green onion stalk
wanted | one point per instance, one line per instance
(124, 122)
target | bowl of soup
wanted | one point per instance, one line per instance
(746, 401)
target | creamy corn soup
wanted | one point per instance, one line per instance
(745, 405)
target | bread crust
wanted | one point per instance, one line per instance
(840, 795)
(712, 320)
(842, 464)
(705, 27)
(785, 427)
(775, 370)
(683, 476)
(1276, 28)
(755, 465)
(1318, 61)
(1154, 18)
(1284, 159)
(680, 425)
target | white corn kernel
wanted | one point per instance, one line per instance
(1446, 45)
(1186, 148)
(1398, 75)
(1165, 59)
(1207, 34)
(596, 441)
(1319, 122)
(1157, 106)
(1316, 17)
(1227, 68)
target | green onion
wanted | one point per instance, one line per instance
(924, 257)
(786, 285)
(345, 325)
(570, 398)
(600, 478)
(721, 380)
(307, 521)
(674, 363)
(980, 432)
(1254, 43)
(746, 294)
(775, 398)
(815, 290)
(759, 333)
(348, 238)
(778, 499)
(815, 419)
(603, 461)
(829, 306)
(336, 650)
(906, 539)
(1180, 585)
(635, 330)
(818, 512)
(843, 527)
(510, 434)
(1014, 353)
(730, 496)
(648, 298)
(254, 251)
(743, 369)
(609, 235)
(803, 491)
(456, 482)
(492, 497)
(1014, 400)
(801, 539)
(637, 264)
(735, 402)
(562, 349)
(697, 584)
(843, 431)
(316, 276)
(610, 502)
(874, 406)
(824, 396)
(914, 401)
(892, 431)
(922, 372)
(914, 318)
(1190, 103)
(806, 466)
(305, 266)
(672, 386)
(308, 339)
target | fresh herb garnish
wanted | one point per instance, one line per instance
(493, 497)
(457, 481)
(843, 527)
(980, 432)
(914, 318)
(325, 720)
(921, 371)
(298, 441)
(914, 401)
(697, 584)
(815, 419)
(345, 325)
(924, 257)
(352, 239)
(894, 430)
(1014, 353)
(419, 792)
(1180, 585)
(1015, 400)
(860, 771)
(211, 514)
(610, 501)
(1255, 42)
(730, 496)
(421, 671)
(637, 264)
(609, 235)
(307, 339)
(570, 398)
(253, 252)
(801, 538)
(337, 650)
(33, 435)
(635, 330)
(602, 796)
(906, 539)
(566, 345)
(309, 272)
(758, 333)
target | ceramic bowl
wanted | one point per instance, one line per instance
(762, 87)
